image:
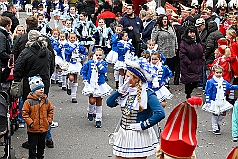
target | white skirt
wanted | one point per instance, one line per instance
(130, 143)
(112, 57)
(59, 61)
(120, 65)
(74, 68)
(163, 93)
(213, 108)
(102, 90)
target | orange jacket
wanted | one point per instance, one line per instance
(38, 114)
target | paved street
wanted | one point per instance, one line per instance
(77, 138)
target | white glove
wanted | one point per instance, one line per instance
(85, 82)
(135, 126)
(123, 89)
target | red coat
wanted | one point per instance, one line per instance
(224, 62)
(234, 57)
(224, 27)
(108, 16)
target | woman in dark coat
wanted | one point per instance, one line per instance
(192, 59)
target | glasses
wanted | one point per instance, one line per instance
(128, 8)
(100, 22)
(20, 30)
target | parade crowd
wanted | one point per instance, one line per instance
(196, 45)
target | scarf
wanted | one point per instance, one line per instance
(133, 91)
(84, 31)
(94, 75)
(104, 31)
(156, 79)
(220, 97)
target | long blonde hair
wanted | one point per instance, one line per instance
(14, 35)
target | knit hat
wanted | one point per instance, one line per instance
(35, 83)
(180, 130)
(221, 49)
(33, 35)
(141, 68)
(200, 22)
(222, 41)
(233, 154)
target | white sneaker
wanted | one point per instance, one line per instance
(54, 124)
(21, 125)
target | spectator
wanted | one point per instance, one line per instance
(133, 25)
(11, 11)
(20, 29)
(90, 8)
(187, 20)
(192, 59)
(200, 24)
(234, 24)
(148, 27)
(213, 35)
(80, 5)
(116, 21)
(164, 36)
(107, 15)
(5, 48)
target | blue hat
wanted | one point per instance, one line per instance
(141, 68)
(35, 83)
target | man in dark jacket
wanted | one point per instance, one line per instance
(11, 11)
(5, 48)
(133, 25)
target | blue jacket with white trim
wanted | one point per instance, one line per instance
(86, 71)
(148, 117)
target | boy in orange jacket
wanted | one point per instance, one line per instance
(37, 112)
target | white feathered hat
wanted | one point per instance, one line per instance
(233, 4)
(194, 3)
(221, 4)
(209, 3)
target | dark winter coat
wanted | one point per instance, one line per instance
(81, 6)
(146, 32)
(90, 7)
(211, 44)
(5, 48)
(15, 21)
(31, 62)
(192, 59)
(135, 22)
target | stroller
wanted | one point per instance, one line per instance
(5, 125)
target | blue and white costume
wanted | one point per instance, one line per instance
(3, 6)
(93, 73)
(216, 95)
(112, 56)
(69, 30)
(86, 29)
(45, 28)
(74, 54)
(102, 38)
(74, 18)
(164, 75)
(65, 12)
(58, 7)
(125, 52)
(58, 50)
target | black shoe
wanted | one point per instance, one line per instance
(117, 84)
(90, 117)
(49, 143)
(74, 100)
(57, 82)
(60, 84)
(52, 81)
(64, 88)
(68, 91)
(94, 115)
(217, 132)
(25, 145)
(98, 124)
(219, 128)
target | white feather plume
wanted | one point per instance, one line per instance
(160, 10)
(194, 2)
(233, 3)
(209, 3)
(221, 3)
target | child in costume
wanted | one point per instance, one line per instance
(58, 7)
(216, 98)
(43, 10)
(43, 25)
(73, 16)
(96, 88)
(125, 51)
(56, 76)
(74, 53)
(65, 12)
(102, 36)
(159, 82)
(141, 110)
(37, 112)
(152, 47)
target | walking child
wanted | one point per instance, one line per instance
(58, 7)
(62, 41)
(37, 112)
(158, 83)
(216, 98)
(125, 51)
(96, 88)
